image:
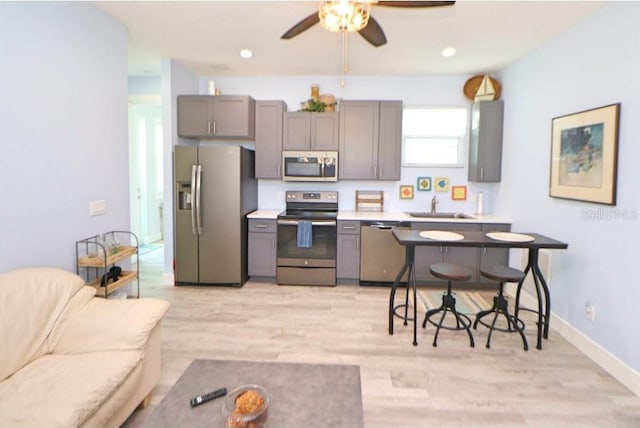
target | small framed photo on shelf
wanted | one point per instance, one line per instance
(406, 192)
(441, 184)
(584, 155)
(459, 193)
(424, 183)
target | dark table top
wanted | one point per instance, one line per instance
(301, 395)
(412, 237)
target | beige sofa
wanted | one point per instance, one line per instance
(69, 359)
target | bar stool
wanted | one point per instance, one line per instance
(502, 274)
(449, 272)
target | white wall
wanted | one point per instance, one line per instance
(63, 122)
(175, 81)
(594, 64)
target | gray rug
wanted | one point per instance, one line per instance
(301, 395)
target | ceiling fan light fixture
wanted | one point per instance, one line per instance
(344, 15)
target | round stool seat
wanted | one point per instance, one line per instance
(502, 273)
(450, 272)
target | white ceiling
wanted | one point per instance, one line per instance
(206, 36)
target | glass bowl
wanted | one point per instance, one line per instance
(246, 406)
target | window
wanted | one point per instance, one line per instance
(434, 136)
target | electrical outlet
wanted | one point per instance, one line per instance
(590, 311)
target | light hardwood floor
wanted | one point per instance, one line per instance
(403, 386)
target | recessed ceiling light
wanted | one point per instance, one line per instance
(246, 53)
(447, 52)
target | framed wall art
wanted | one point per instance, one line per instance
(459, 193)
(441, 184)
(424, 183)
(406, 192)
(584, 155)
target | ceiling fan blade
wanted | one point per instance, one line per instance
(373, 33)
(414, 3)
(301, 26)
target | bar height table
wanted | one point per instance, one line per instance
(411, 238)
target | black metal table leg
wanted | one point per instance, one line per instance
(407, 263)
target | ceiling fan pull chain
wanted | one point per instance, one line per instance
(345, 65)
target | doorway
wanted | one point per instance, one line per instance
(145, 170)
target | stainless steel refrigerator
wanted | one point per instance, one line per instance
(215, 189)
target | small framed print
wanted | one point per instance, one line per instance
(459, 193)
(441, 184)
(424, 183)
(406, 192)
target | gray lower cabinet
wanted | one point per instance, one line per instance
(348, 251)
(494, 256)
(370, 140)
(485, 141)
(269, 133)
(428, 255)
(208, 116)
(262, 247)
(311, 131)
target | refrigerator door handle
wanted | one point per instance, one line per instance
(193, 201)
(198, 193)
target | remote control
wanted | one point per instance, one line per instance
(201, 399)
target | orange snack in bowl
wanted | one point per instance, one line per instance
(249, 402)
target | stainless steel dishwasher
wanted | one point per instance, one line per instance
(381, 256)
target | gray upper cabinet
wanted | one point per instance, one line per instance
(207, 116)
(370, 140)
(269, 134)
(485, 141)
(310, 131)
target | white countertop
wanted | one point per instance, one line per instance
(390, 216)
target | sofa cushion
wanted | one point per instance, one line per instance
(31, 302)
(109, 325)
(64, 390)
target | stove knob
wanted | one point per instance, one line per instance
(306, 262)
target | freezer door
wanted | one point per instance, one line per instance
(185, 233)
(222, 222)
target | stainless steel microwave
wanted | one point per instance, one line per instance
(309, 166)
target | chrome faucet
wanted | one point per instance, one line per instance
(434, 202)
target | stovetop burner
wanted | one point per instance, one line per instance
(311, 205)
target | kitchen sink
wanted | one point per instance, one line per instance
(425, 214)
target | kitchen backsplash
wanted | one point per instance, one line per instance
(271, 192)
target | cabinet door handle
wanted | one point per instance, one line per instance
(208, 127)
(261, 226)
(273, 242)
(481, 173)
(214, 127)
(358, 243)
(348, 227)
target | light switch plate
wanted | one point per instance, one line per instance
(97, 207)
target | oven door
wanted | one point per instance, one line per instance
(321, 253)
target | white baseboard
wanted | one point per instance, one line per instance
(167, 279)
(608, 362)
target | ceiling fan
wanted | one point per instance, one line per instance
(372, 31)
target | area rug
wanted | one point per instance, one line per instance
(467, 302)
(300, 395)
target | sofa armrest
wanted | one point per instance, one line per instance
(110, 325)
